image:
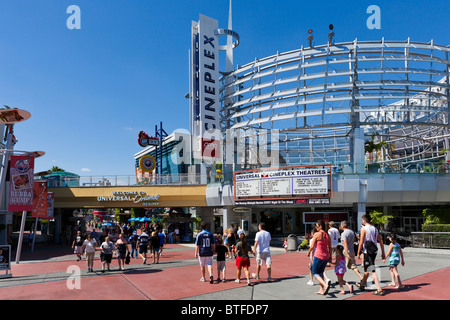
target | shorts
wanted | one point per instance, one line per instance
(78, 250)
(155, 249)
(393, 264)
(369, 261)
(263, 256)
(106, 257)
(142, 249)
(221, 265)
(205, 261)
(318, 267)
(242, 262)
(340, 274)
(350, 260)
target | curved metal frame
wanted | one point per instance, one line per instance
(323, 93)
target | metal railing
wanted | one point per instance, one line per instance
(436, 240)
(228, 177)
(118, 180)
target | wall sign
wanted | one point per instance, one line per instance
(147, 163)
(135, 197)
(21, 183)
(291, 185)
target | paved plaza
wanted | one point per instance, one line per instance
(47, 274)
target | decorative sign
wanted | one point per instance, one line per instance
(291, 185)
(145, 141)
(205, 82)
(39, 200)
(147, 163)
(137, 197)
(211, 149)
(10, 116)
(50, 205)
(21, 183)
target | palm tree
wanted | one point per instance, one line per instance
(56, 169)
(371, 146)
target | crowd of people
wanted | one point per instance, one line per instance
(206, 245)
(328, 246)
(324, 245)
(117, 241)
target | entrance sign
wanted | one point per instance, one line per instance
(136, 197)
(21, 183)
(290, 185)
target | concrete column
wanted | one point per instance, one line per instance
(58, 225)
(362, 201)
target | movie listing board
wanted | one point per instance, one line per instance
(297, 182)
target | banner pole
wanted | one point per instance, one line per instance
(34, 234)
(19, 244)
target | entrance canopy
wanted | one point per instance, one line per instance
(131, 197)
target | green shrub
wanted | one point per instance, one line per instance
(436, 228)
(304, 244)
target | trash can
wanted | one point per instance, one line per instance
(292, 244)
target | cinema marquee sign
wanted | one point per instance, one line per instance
(301, 185)
(135, 197)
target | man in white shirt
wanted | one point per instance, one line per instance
(334, 236)
(262, 251)
(370, 234)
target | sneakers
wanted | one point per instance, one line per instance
(310, 283)
(202, 279)
(237, 281)
(255, 276)
(249, 283)
(211, 279)
(269, 279)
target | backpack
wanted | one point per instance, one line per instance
(371, 247)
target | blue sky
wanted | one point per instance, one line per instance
(91, 91)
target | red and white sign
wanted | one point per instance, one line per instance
(210, 148)
(21, 174)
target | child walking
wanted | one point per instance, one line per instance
(340, 269)
(222, 251)
(242, 259)
(395, 255)
(285, 245)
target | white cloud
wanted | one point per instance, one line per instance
(85, 169)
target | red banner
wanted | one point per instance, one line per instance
(40, 200)
(21, 174)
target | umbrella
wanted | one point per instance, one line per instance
(107, 224)
(133, 219)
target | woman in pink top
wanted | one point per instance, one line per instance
(321, 244)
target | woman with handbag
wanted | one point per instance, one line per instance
(122, 250)
(321, 244)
